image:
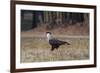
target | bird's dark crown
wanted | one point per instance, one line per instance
(48, 32)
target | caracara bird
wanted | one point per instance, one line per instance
(55, 43)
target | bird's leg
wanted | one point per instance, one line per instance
(57, 47)
(52, 48)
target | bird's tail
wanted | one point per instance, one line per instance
(67, 43)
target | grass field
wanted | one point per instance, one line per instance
(36, 49)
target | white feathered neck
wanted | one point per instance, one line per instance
(49, 36)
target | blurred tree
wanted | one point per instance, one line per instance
(51, 19)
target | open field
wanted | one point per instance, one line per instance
(36, 49)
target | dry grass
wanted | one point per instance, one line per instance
(35, 49)
(69, 30)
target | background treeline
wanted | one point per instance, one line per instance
(51, 20)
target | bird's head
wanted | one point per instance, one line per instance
(48, 35)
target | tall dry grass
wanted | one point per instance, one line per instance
(35, 49)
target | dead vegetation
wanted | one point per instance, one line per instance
(70, 30)
(38, 50)
(35, 48)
